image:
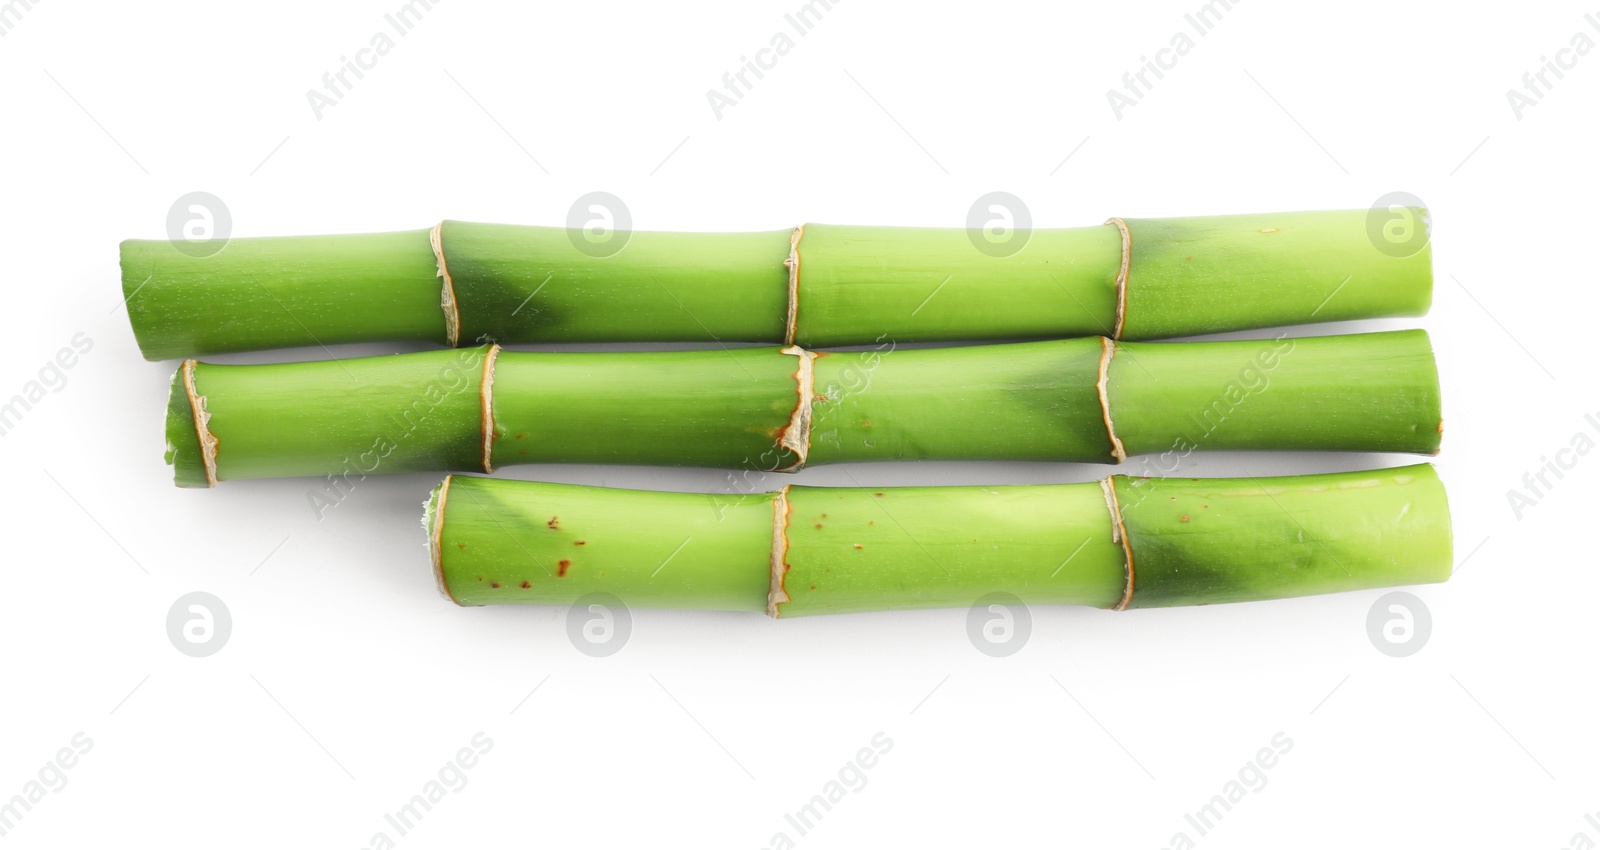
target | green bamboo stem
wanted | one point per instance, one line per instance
(1121, 543)
(777, 409)
(818, 285)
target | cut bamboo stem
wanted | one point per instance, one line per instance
(1121, 543)
(776, 409)
(817, 285)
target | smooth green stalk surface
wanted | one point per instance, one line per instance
(1317, 533)
(853, 285)
(1241, 271)
(679, 408)
(347, 419)
(533, 284)
(280, 292)
(839, 550)
(1372, 392)
(908, 284)
(746, 408)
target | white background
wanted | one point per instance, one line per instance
(348, 683)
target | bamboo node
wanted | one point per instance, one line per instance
(447, 294)
(202, 423)
(1107, 350)
(797, 435)
(433, 522)
(1119, 534)
(776, 593)
(791, 314)
(1122, 275)
(486, 406)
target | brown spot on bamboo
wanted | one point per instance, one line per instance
(562, 566)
